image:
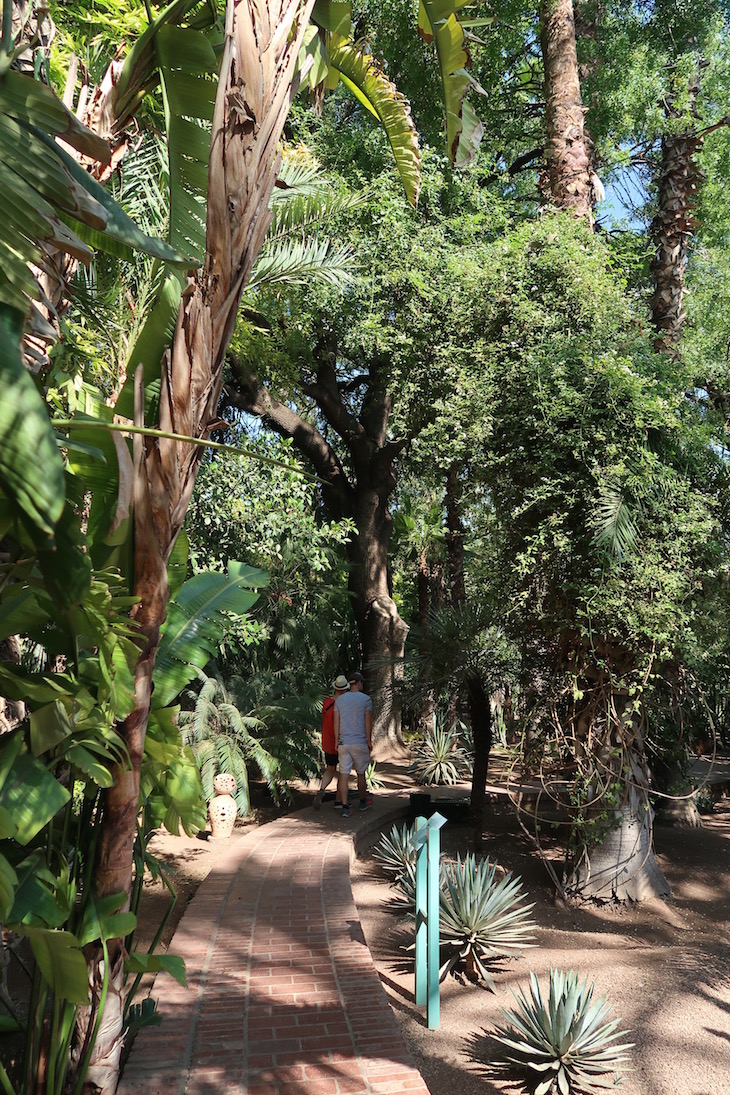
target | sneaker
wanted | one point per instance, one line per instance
(317, 804)
(338, 806)
(366, 803)
(345, 811)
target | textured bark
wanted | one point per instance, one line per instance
(623, 866)
(12, 712)
(363, 496)
(254, 93)
(672, 230)
(480, 716)
(568, 178)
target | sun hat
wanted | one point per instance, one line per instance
(342, 681)
(356, 677)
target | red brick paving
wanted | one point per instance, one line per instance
(282, 995)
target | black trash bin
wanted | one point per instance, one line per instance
(421, 805)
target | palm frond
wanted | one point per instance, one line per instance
(297, 211)
(615, 521)
(296, 263)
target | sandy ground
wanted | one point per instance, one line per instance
(664, 966)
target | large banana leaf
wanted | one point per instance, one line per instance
(188, 66)
(196, 623)
(334, 16)
(140, 72)
(379, 95)
(437, 23)
(31, 470)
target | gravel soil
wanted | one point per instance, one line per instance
(664, 965)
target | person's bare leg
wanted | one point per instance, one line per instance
(362, 787)
(327, 776)
(342, 788)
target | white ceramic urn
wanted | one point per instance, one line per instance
(222, 809)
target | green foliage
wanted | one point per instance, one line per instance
(564, 1042)
(222, 739)
(440, 757)
(482, 920)
(196, 621)
(395, 851)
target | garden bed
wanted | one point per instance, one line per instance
(664, 965)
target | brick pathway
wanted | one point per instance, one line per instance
(282, 997)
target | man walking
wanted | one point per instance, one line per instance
(329, 740)
(354, 732)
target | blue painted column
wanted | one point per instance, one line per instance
(433, 1008)
(421, 915)
(427, 841)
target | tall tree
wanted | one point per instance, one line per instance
(567, 151)
(357, 377)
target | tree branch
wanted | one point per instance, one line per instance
(247, 393)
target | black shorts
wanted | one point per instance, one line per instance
(331, 759)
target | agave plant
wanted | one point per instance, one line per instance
(440, 758)
(395, 851)
(482, 919)
(565, 1044)
(372, 779)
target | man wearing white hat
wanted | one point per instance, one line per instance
(354, 731)
(329, 739)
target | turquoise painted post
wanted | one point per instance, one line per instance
(433, 1007)
(427, 842)
(421, 916)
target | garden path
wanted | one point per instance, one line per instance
(282, 994)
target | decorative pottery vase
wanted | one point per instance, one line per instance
(222, 809)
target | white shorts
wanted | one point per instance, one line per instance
(353, 756)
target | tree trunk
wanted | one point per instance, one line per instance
(364, 497)
(382, 631)
(672, 229)
(480, 716)
(622, 866)
(567, 151)
(254, 93)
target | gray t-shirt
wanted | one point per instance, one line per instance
(351, 707)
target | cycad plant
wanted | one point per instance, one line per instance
(564, 1044)
(222, 740)
(482, 919)
(440, 757)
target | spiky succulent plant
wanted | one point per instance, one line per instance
(440, 757)
(482, 918)
(564, 1043)
(395, 850)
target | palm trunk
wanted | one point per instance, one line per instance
(672, 230)
(480, 716)
(254, 93)
(567, 150)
